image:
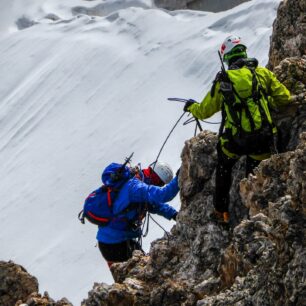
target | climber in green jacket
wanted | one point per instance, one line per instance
(244, 93)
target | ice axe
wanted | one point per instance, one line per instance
(198, 124)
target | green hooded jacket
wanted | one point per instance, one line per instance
(278, 95)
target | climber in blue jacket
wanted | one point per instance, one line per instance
(148, 190)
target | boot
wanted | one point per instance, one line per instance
(222, 217)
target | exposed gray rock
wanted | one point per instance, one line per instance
(24, 22)
(15, 283)
(204, 263)
(288, 39)
(291, 120)
(201, 5)
(106, 8)
(36, 299)
(52, 17)
(264, 250)
(18, 287)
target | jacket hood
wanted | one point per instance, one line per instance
(114, 175)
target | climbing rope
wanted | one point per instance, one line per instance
(188, 121)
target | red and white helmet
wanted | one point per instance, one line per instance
(164, 171)
(229, 43)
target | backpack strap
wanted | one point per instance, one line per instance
(223, 116)
(132, 224)
(109, 197)
(257, 92)
(81, 216)
(244, 105)
(110, 190)
(111, 200)
(217, 79)
(262, 91)
(227, 89)
(130, 207)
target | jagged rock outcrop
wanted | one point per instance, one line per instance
(265, 263)
(288, 38)
(201, 5)
(291, 120)
(260, 259)
(15, 283)
(288, 60)
(36, 299)
(261, 262)
(18, 287)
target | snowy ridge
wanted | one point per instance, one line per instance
(82, 90)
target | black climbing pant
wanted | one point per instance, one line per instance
(118, 252)
(224, 180)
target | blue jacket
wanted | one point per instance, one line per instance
(136, 191)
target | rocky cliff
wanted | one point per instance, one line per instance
(18, 287)
(288, 39)
(260, 259)
(15, 283)
(203, 5)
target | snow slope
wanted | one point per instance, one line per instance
(85, 86)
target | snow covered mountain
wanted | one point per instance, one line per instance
(85, 83)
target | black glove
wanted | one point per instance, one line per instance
(174, 216)
(188, 104)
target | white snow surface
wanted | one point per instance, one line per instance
(85, 83)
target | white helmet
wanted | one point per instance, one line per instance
(163, 171)
(230, 43)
